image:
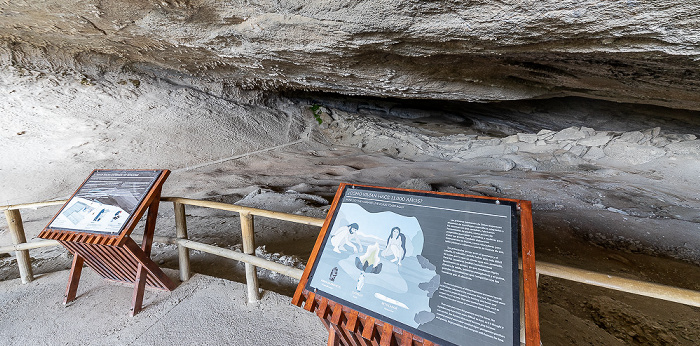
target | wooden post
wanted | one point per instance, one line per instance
(251, 274)
(529, 282)
(24, 263)
(183, 252)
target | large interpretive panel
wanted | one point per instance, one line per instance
(441, 266)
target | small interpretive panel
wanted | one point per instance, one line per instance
(441, 266)
(106, 201)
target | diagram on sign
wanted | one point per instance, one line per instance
(105, 202)
(374, 259)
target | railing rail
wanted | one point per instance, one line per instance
(306, 220)
(32, 205)
(669, 293)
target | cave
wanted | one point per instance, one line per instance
(591, 111)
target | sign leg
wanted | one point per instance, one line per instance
(150, 225)
(139, 288)
(74, 278)
(141, 273)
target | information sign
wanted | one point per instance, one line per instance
(106, 201)
(95, 225)
(443, 267)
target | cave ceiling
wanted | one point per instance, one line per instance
(627, 51)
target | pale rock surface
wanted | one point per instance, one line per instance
(569, 134)
(631, 153)
(596, 140)
(527, 137)
(633, 51)
(415, 184)
(691, 148)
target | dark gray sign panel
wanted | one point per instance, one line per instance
(106, 201)
(440, 266)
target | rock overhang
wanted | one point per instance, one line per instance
(467, 51)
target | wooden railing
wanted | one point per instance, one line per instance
(21, 247)
(248, 237)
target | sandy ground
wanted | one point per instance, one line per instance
(203, 310)
(627, 207)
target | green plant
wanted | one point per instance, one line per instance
(316, 111)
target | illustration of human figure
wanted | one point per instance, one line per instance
(395, 245)
(345, 236)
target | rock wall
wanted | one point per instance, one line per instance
(632, 51)
(571, 149)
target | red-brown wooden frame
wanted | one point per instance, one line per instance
(347, 326)
(117, 257)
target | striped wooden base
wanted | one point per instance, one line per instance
(78, 237)
(120, 263)
(349, 327)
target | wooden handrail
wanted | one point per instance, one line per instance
(28, 246)
(643, 288)
(306, 220)
(32, 205)
(239, 256)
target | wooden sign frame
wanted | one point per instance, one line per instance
(116, 257)
(348, 326)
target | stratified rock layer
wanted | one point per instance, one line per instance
(633, 51)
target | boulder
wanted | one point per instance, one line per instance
(569, 134)
(599, 139)
(415, 184)
(685, 148)
(527, 137)
(633, 154)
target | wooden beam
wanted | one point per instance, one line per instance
(648, 289)
(307, 220)
(33, 205)
(28, 246)
(387, 335)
